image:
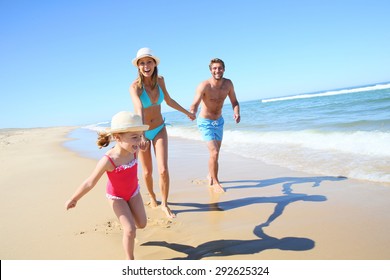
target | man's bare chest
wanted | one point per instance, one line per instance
(216, 95)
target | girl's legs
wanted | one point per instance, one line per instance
(147, 173)
(161, 151)
(131, 215)
(138, 210)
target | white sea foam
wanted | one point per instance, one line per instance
(97, 126)
(328, 93)
(372, 143)
(190, 133)
(360, 155)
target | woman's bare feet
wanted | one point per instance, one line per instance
(167, 211)
(152, 203)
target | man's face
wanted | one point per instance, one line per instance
(217, 70)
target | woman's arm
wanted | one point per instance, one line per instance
(171, 102)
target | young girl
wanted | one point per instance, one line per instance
(120, 164)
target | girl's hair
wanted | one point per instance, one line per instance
(140, 79)
(103, 140)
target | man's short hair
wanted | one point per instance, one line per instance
(217, 60)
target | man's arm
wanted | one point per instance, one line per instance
(235, 104)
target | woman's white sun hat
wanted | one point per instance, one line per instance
(125, 122)
(145, 52)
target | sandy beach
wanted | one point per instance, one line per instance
(267, 212)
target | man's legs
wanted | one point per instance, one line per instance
(214, 147)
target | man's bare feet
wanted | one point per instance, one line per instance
(217, 188)
(210, 180)
(168, 211)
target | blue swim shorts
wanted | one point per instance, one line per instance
(211, 129)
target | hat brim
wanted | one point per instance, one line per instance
(127, 129)
(135, 60)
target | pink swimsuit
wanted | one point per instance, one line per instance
(123, 181)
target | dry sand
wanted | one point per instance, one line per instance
(267, 212)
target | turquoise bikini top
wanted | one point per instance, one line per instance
(145, 100)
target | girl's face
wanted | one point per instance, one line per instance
(146, 66)
(129, 141)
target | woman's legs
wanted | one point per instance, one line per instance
(160, 144)
(147, 174)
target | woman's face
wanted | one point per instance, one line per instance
(146, 66)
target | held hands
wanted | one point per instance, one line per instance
(191, 116)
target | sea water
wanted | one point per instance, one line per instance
(344, 132)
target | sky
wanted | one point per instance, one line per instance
(68, 62)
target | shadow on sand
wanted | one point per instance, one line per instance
(231, 247)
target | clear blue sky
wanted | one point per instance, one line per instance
(68, 62)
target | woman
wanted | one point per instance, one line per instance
(147, 92)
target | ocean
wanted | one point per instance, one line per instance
(343, 132)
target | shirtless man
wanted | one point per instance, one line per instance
(211, 94)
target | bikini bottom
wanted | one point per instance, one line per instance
(152, 133)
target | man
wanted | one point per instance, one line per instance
(211, 94)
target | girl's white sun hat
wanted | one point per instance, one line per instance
(125, 122)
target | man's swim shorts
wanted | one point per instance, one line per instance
(211, 129)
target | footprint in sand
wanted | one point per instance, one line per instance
(159, 222)
(199, 182)
(151, 204)
(109, 227)
(112, 227)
